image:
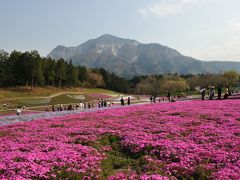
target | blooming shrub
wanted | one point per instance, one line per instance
(195, 139)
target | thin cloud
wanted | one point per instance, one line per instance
(230, 48)
(163, 8)
(167, 7)
(226, 49)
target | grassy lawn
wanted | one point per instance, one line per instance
(26, 92)
(23, 92)
(97, 90)
(44, 96)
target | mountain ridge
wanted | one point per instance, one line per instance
(129, 58)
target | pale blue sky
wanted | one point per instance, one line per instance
(203, 29)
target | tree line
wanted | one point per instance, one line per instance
(184, 84)
(30, 69)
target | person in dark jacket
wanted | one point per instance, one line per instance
(129, 101)
(151, 99)
(219, 90)
(122, 101)
(154, 98)
(169, 96)
(105, 103)
(53, 108)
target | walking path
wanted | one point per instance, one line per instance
(5, 120)
(10, 119)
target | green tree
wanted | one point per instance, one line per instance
(4, 58)
(60, 71)
(204, 81)
(72, 74)
(106, 77)
(37, 76)
(174, 84)
(117, 83)
(82, 73)
(24, 68)
(49, 71)
(231, 78)
(13, 68)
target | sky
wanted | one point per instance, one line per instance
(203, 29)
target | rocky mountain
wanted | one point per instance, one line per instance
(129, 58)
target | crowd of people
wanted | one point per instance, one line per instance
(82, 105)
(123, 103)
(227, 92)
(88, 105)
(168, 98)
(153, 99)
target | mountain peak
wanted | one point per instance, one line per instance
(108, 38)
(128, 58)
(60, 47)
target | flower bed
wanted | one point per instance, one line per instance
(197, 139)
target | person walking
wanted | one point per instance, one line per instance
(169, 96)
(102, 103)
(122, 101)
(69, 108)
(226, 93)
(154, 98)
(58, 107)
(61, 107)
(53, 108)
(151, 99)
(105, 103)
(211, 93)
(81, 106)
(219, 90)
(99, 103)
(20, 110)
(203, 92)
(129, 101)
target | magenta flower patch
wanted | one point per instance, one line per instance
(170, 140)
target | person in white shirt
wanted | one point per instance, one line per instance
(19, 111)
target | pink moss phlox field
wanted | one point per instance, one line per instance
(181, 139)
